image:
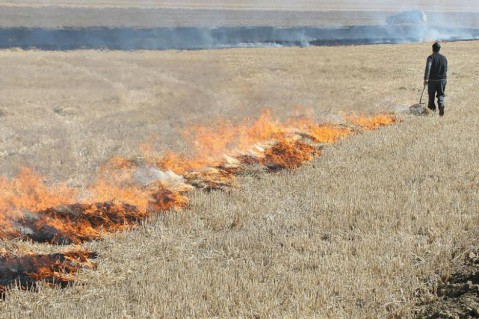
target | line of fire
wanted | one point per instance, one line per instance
(129, 191)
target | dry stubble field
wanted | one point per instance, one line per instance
(364, 231)
(212, 13)
(304, 5)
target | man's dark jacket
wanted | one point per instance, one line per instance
(436, 67)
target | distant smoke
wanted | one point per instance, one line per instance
(227, 37)
(410, 25)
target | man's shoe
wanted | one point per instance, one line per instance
(441, 110)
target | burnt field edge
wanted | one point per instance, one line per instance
(200, 38)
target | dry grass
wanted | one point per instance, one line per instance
(352, 235)
(84, 107)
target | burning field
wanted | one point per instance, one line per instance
(145, 195)
(127, 192)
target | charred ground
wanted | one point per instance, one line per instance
(456, 295)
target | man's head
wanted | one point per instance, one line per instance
(436, 47)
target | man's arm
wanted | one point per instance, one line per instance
(428, 70)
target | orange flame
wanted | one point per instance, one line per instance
(27, 192)
(288, 155)
(31, 209)
(77, 223)
(210, 143)
(328, 134)
(55, 269)
(373, 122)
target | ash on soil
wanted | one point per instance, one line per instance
(458, 297)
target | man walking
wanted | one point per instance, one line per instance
(435, 77)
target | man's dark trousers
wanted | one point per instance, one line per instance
(436, 88)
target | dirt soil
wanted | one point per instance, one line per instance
(458, 295)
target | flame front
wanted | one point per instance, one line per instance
(128, 191)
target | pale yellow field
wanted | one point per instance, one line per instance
(364, 231)
(84, 107)
(208, 13)
(305, 5)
